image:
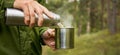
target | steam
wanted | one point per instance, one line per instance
(66, 20)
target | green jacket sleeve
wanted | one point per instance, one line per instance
(4, 4)
(8, 3)
(41, 31)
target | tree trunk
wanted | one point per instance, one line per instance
(76, 16)
(102, 13)
(92, 15)
(113, 29)
(112, 16)
(88, 29)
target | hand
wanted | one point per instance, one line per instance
(48, 38)
(30, 7)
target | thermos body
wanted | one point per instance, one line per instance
(16, 17)
(64, 38)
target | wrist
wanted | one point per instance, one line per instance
(15, 3)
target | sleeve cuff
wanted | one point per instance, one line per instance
(8, 3)
(41, 31)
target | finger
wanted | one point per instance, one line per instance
(46, 11)
(32, 16)
(26, 13)
(39, 12)
(51, 43)
(51, 32)
(40, 19)
(46, 35)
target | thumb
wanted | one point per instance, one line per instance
(51, 32)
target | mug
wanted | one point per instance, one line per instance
(64, 38)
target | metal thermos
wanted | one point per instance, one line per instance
(16, 17)
(64, 38)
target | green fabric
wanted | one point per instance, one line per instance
(30, 40)
(8, 3)
(42, 30)
(18, 40)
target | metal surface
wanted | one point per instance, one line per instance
(64, 38)
(16, 17)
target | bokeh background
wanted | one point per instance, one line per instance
(96, 23)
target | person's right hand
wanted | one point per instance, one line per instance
(30, 7)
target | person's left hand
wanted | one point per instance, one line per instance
(48, 38)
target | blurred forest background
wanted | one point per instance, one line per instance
(97, 25)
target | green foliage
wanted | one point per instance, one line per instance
(53, 5)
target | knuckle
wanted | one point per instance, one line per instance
(25, 3)
(32, 14)
(27, 19)
(32, 23)
(26, 14)
(40, 12)
(41, 19)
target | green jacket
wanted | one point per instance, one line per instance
(18, 40)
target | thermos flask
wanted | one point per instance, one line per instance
(16, 17)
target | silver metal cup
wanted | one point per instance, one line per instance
(64, 38)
